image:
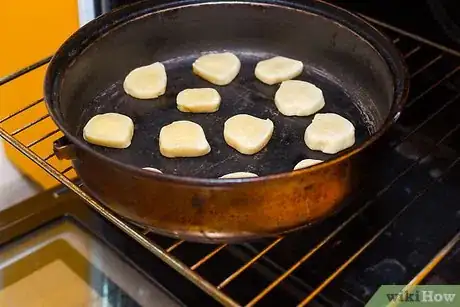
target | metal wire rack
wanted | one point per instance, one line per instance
(421, 55)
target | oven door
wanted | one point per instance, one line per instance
(55, 251)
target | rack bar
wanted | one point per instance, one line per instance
(21, 110)
(67, 169)
(44, 137)
(41, 118)
(49, 156)
(412, 52)
(434, 85)
(302, 260)
(417, 279)
(435, 261)
(174, 246)
(410, 35)
(432, 115)
(207, 257)
(24, 70)
(249, 263)
(421, 69)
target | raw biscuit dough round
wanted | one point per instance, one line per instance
(239, 175)
(198, 100)
(306, 163)
(109, 130)
(146, 82)
(247, 134)
(329, 133)
(278, 69)
(152, 169)
(217, 68)
(183, 139)
(298, 98)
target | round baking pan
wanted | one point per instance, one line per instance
(362, 76)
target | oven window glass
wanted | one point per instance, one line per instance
(63, 265)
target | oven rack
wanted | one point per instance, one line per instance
(164, 248)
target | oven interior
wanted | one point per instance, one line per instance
(401, 227)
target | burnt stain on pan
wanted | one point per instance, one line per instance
(197, 203)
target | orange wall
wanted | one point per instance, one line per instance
(30, 31)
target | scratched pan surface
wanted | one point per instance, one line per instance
(355, 80)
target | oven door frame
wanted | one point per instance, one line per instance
(60, 204)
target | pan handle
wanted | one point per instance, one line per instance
(64, 149)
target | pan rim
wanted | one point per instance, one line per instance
(374, 37)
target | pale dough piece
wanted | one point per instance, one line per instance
(306, 163)
(198, 100)
(330, 133)
(146, 82)
(298, 98)
(217, 68)
(152, 169)
(110, 130)
(278, 69)
(183, 139)
(239, 175)
(247, 134)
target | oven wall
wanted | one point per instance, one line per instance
(31, 31)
